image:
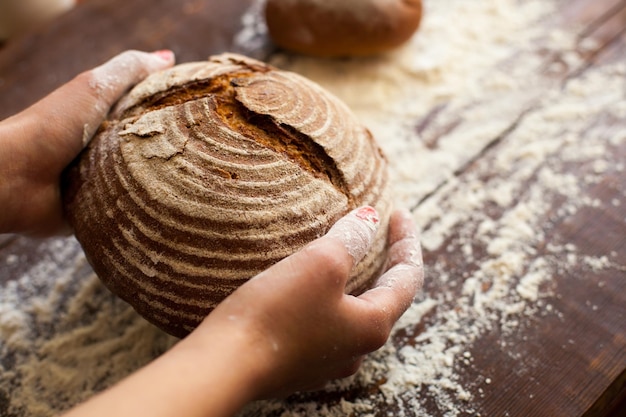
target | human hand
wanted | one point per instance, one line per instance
(298, 327)
(290, 328)
(38, 143)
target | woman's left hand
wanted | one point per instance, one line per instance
(38, 143)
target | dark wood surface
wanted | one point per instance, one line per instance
(88, 35)
(567, 364)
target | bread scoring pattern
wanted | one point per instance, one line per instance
(208, 173)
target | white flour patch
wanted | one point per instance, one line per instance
(63, 340)
(433, 105)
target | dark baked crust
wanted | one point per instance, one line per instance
(342, 28)
(207, 174)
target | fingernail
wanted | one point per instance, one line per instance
(369, 215)
(164, 54)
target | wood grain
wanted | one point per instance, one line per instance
(570, 361)
(568, 364)
(571, 366)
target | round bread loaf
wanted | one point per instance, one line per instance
(328, 28)
(208, 173)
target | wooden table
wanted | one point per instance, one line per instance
(567, 358)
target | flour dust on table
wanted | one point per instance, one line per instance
(479, 151)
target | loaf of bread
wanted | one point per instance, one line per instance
(328, 28)
(208, 173)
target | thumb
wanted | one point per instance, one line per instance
(345, 244)
(110, 80)
(74, 111)
(356, 231)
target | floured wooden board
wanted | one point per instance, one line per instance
(505, 124)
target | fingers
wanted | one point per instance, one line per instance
(396, 288)
(326, 262)
(111, 79)
(72, 113)
(346, 243)
(405, 253)
(356, 231)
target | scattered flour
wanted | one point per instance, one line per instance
(459, 90)
(65, 339)
(434, 106)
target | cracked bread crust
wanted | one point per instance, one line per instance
(208, 173)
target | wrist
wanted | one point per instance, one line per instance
(231, 367)
(200, 376)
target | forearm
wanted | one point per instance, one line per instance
(192, 380)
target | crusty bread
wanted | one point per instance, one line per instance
(210, 172)
(337, 28)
